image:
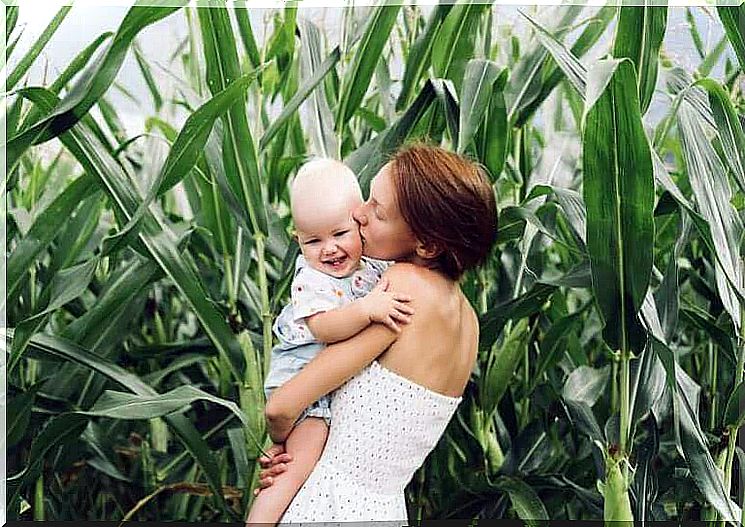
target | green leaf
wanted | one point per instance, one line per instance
(122, 405)
(495, 136)
(321, 119)
(639, 36)
(713, 195)
(419, 58)
(572, 68)
(648, 386)
(11, 18)
(27, 61)
(501, 365)
(619, 196)
(371, 156)
(72, 424)
(720, 337)
(160, 241)
(733, 20)
(183, 155)
(703, 469)
(369, 50)
(147, 75)
(239, 151)
(247, 34)
(92, 83)
(553, 74)
(94, 437)
(57, 430)
(449, 107)
(455, 40)
(552, 346)
(43, 231)
(65, 286)
(729, 128)
(475, 97)
(695, 34)
(734, 414)
(581, 414)
(667, 295)
(586, 384)
(701, 224)
(319, 72)
(238, 447)
(525, 501)
(492, 322)
(713, 58)
(19, 414)
(644, 485)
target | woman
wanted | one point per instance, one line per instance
(434, 213)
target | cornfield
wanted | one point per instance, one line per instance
(144, 271)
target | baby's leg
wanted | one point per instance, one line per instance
(305, 444)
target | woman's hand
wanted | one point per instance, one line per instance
(273, 465)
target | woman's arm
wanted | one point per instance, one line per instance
(331, 368)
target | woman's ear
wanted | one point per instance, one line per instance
(428, 250)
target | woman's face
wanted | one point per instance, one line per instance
(385, 233)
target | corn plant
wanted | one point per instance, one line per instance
(144, 272)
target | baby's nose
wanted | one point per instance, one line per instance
(359, 215)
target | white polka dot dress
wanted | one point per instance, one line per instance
(383, 426)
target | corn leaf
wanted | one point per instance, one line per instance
(239, 150)
(475, 97)
(733, 20)
(711, 190)
(419, 58)
(72, 424)
(455, 40)
(91, 85)
(638, 37)
(619, 196)
(369, 50)
(25, 63)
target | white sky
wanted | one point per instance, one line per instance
(88, 19)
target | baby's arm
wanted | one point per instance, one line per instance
(344, 322)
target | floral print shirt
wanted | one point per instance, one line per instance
(314, 292)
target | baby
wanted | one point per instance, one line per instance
(335, 294)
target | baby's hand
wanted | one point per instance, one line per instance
(387, 307)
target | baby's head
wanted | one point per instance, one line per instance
(322, 197)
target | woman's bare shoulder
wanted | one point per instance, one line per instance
(408, 277)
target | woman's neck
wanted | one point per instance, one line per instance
(429, 264)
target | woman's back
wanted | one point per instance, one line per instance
(389, 417)
(438, 348)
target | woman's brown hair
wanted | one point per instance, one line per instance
(448, 202)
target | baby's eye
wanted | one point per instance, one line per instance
(341, 233)
(309, 242)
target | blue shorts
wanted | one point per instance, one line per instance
(285, 364)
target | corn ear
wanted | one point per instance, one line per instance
(617, 507)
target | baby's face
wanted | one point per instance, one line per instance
(330, 240)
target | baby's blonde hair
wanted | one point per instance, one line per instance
(323, 183)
